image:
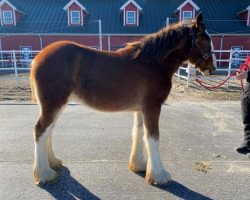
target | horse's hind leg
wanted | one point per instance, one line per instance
(44, 154)
(54, 162)
(155, 173)
(137, 161)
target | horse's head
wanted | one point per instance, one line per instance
(201, 53)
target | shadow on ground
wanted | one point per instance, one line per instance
(179, 190)
(182, 192)
(68, 188)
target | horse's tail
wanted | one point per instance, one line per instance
(32, 80)
(33, 96)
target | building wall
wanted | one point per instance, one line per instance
(230, 41)
(88, 41)
(92, 41)
(36, 42)
(117, 42)
(15, 42)
(234, 41)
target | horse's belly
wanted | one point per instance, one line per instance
(108, 101)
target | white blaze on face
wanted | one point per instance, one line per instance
(137, 156)
(212, 50)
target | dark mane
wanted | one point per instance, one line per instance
(155, 48)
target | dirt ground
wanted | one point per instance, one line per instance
(180, 91)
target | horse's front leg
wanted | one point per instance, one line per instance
(137, 162)
(155, 173)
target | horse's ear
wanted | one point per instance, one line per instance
(199, 22)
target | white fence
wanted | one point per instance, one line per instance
(226, 64)
(15, 62)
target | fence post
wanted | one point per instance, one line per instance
(100, 33)
(15, 66)
(229, 67)
(188, 74)
(179, 71)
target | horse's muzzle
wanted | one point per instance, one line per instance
(212, 71)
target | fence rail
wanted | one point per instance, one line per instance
(15, 62)
(228, 61)
(16, 59)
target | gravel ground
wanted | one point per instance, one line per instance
(180, 92)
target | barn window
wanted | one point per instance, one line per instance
(130, 16)
(75, 17)
(7, 17)
(187, 15)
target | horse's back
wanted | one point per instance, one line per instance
(57, 54)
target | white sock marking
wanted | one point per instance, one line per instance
(155, 167)
(137, 155)
(49, 146)
(41, 158)
(154, 161)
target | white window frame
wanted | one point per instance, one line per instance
(127, 12)
(75, 11)
(4, 20)
(191, 15)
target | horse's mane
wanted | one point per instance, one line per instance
(156, 47)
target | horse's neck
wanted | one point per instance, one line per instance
(153, 51)
(175, 44)
(175, 58)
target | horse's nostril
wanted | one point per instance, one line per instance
(211, 72)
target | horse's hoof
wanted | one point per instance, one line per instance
(159, 178)
(132, 166)
(55, 163)
(45, 176)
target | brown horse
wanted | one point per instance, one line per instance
(136, 78)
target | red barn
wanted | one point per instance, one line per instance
(35, 24)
